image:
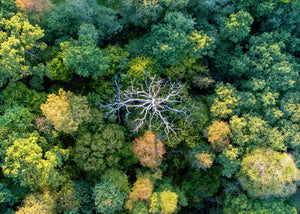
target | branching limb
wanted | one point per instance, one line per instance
(154, 99)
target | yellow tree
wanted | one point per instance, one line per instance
(66, 111)
(218, 135)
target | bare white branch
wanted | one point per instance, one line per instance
(155, 100)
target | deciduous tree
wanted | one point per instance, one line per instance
(19, 39)
(66, 111)
(149, 150)
(265, 173)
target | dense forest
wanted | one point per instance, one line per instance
(150, 106)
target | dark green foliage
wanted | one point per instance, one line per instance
(198, 185)
(6, 198)
(19, 94)
(68, 17)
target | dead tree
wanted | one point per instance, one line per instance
(156, 100)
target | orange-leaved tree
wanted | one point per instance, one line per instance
(149, 150)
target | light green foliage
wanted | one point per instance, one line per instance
(291, 134)
(229, 160)
(25, 163)
(237, 26)
(93, 152)
(192, 71)
(190, 133)
(90, 31)
(244, 205)
(84, 58)
(17, 38)
(225, 101)
(17, 119)
(252, 132)
(108, 199)
(19, 94)
(164, 202)
(170, 44)
(118, 59)
(57, 70)
(140, 207)
(265, 173)
(118, 178)
(140, 66)
(66, 111)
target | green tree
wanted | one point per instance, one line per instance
(18, 39)
(74, 197)
(265, 173)
(84, 58)
(237, 26)
(141, 13)
(6, 198)
(229, 160)
(252, 132)
(17, 119)
(19, 94)
(242, 204)
(66, 111)
(108, 199)
(118, 178)
(93, 152)
(66, 19)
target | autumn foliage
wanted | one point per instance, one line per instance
(34, 6)
(142, 190)
(149, 150)
(218, 135)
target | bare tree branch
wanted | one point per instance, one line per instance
(155, 99)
